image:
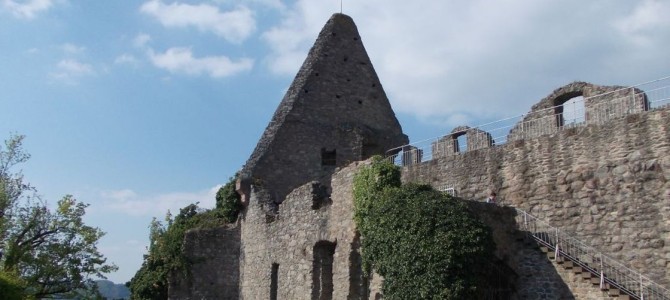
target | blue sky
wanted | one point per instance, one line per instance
(137, 107)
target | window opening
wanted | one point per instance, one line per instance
(274, 284)
(322, 271)
(328, 158)
(461, 143)
(573, 111)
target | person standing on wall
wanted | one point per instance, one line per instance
(491, 198)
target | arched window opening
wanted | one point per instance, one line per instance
(573, 111)
(569, 109)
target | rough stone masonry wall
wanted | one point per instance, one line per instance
(607, 184)
(215, 269)
(286, 245)
(537, 276)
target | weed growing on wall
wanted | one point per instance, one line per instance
(424, 243)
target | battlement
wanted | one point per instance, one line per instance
(577, 104)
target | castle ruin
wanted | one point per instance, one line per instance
(605, 180)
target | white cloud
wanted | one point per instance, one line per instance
(72, 49)
(126, 59)
(470, 61)
(275, 4)
(69, 70)
(141, 40)
(27, 9)
(74, 67)
(181, 60)
(234, 26)
(128, 202)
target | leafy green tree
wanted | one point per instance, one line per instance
(11, 286)
(165, 253)
(150, 281)
(228, 201)
(52, 251)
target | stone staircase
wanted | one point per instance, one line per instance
(586, 274)
(581, 262)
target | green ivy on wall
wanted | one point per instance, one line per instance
(424, 243)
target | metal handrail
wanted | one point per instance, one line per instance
(623, 102)
(590, 259)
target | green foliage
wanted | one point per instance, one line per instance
(166, 242)
(425, 244)
(11, 286)
(166, 250)
(368, 183)
(53, 252)
(228, 202)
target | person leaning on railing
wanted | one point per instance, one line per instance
(491, 198)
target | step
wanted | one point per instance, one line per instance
(596, 281)
(614, 292)
(551, 254)
(545, 249)
(587, 275)
(568, 264)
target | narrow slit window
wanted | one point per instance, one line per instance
(274, 281)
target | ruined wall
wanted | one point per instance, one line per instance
(448, 145)
(215, 270)
(310, 250)
(605, 183)
(600, 104)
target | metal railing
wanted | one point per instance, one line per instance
(613, 273)
(577, 112)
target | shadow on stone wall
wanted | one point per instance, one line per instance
(537, 277)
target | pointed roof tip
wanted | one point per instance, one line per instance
(340, 17)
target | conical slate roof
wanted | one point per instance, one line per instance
(335, 112)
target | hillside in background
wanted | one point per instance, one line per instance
(112, 291)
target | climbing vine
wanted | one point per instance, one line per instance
(423, 242)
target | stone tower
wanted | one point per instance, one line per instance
(334, 113)
(297, 235)
(296, 238)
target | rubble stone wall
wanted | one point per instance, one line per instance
(306, 219)
(607, 184)
(215, 267)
